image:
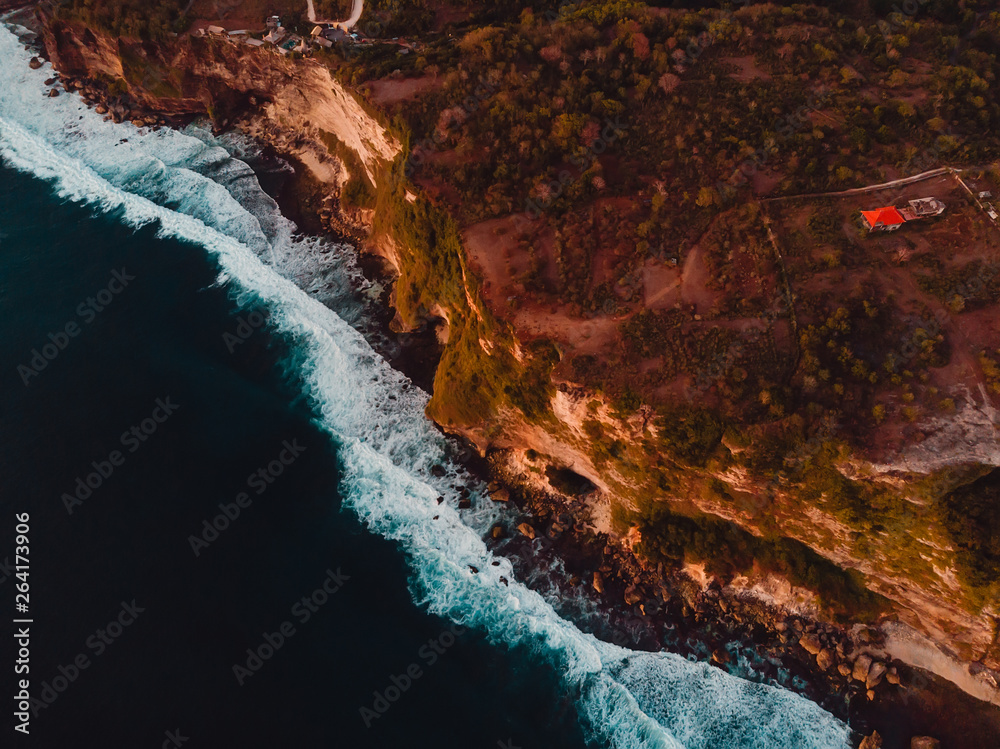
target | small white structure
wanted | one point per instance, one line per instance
(927, 207)
(985, 194)
(216, 30)
(273, 22)
(255, 42)
(923, 208)
(275, 35)
(323, 42)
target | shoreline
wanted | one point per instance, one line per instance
(701, 624)
(694, 616)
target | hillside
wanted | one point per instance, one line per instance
(627, 224)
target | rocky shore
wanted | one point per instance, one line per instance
(611, 592)
(608, 589)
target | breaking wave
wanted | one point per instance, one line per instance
(391, 455)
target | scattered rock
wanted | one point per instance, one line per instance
(34, 63)
(497, 531)
(464, 504)
(527, 530)
(501, 495)
(892, 676)
(50, 81)
(861, 666)
(440, 500)
(811, 644)
(101, 109)
(924, 742)
(632, 596)
(824, 659)
(437, 470)
(870, 694)
(871, 742)
(864, 636)
(598, 582)
(474, 569)
(875, 674)
(503, 579)
(844, 669)
(720, 656)
(53, 92)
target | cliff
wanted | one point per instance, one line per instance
(658, 481)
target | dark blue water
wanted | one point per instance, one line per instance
(160, 341)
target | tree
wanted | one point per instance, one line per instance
(706, 197)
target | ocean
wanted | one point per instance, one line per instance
(235, 532)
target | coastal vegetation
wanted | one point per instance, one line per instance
(749, 354)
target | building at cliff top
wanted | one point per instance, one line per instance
(890, 218)
(275, 35)
(882, 219)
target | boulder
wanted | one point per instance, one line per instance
(598, 582)
(497, 531)
(526, 530)
(871, 742)
(824, 659)
(924, 742)
(875, 674)
(101, 109)
(892, 676)
(34, 63)
(844, 670)
(811, 643)
(632, 596)
(500, 495)
(861, 666)
(465, 504)
(53, 92)
(870, 694)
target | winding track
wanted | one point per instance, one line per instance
(356, 8)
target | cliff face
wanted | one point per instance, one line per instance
(497, 390)
(294, 104)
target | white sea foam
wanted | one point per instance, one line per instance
(387, 446)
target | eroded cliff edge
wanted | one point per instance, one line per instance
(508, 391)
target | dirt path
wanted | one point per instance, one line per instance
(870, 188)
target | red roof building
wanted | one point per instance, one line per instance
(883, 219)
